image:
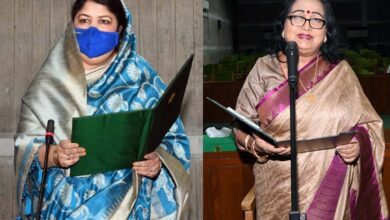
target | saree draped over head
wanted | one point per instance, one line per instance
(60, 92)
(330, 100)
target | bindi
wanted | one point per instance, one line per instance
(308, 11)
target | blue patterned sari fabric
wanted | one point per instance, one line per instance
(130, 83)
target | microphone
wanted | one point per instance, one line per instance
(292, 62)
(49, 132)
(48, 141)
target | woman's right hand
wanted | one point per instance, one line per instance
(67, 153)
(266, 148)
(63, 155)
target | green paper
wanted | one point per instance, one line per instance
(114, 141)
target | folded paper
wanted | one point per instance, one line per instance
(114, 141)
(303, 145)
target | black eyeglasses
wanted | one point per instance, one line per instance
(299, 21)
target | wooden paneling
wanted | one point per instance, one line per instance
(223, 92)
(70, 4)
(7, 189)
(167, 33)
(23, 49)
(184, 40)
(58, 19)
(196, 203)
(166, 24)
(41, 33)
(227, 177)
(377, 89)
(134, 8)
(148, 30)
(197, 78)
(387, 135)
(7, 70)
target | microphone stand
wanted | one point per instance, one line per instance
(294, 214)
(292, 81)
(48, 142)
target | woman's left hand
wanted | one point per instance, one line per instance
(150, 167)
(349, 152)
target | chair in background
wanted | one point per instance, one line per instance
(248, 205)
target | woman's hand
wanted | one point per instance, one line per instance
(150, 167)
(67, 153)
(63, 155)
(349, 152)
(266, 148)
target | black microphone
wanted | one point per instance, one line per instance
(292, 62)
(48, 141)
(49, 132)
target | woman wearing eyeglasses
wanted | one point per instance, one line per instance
(340, 183)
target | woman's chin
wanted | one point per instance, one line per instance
(307, 51)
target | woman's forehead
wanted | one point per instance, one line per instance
(308, 6)
(93, 8)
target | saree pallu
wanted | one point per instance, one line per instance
(60, 92)
(330, 100)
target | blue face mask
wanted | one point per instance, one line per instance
(94, 43)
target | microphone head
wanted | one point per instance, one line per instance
(50, 126)
(291, 48)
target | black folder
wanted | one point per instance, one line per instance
(303, 145)
(114, 141)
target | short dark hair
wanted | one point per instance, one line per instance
(114, 6)
(329, 50)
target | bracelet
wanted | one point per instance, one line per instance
(246, 142)
(55, 157)
(260, 158)
(253, 149)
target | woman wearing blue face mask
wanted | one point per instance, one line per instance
(94, 69)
